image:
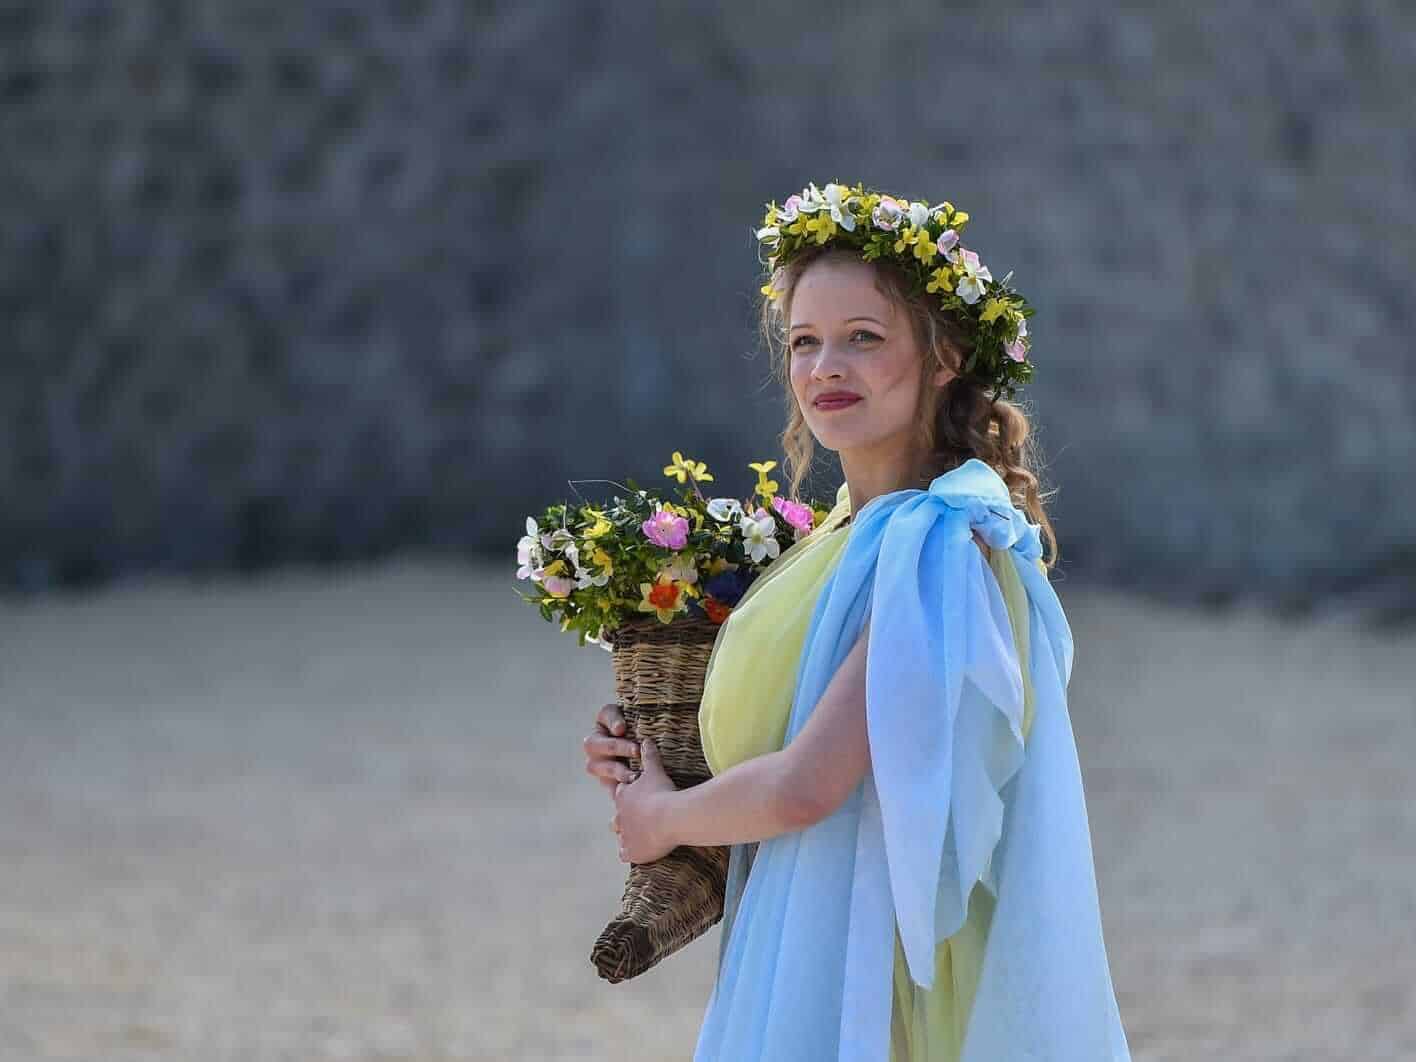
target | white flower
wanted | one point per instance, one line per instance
(584, 577)
(919, 215)
(769, 232)
(759, 535)
(839, 206)
(811, 200)
(528, 550)
(681, 568)
(724, 509)
(972, 275)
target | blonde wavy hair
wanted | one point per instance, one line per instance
(956, 423)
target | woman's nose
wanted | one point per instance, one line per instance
(827, 363)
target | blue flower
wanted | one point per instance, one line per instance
(727, 586)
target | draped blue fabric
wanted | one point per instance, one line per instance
(953, 796)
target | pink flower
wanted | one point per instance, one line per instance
(1017, 350)
(558, 585)
(794, 513)
(948, 240)
(666, 529)
(888, 214)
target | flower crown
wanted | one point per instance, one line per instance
(924, 242)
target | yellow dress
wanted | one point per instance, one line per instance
(747, 700)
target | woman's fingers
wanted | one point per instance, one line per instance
(603, 747)
(611, 719)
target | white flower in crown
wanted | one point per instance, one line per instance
(972, 274)
(811, 200)
(919, 215)
(840, 207)
(888, 214)
(528, 551)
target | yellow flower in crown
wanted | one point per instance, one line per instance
(682, 469)
(993, 309)
(924, 242)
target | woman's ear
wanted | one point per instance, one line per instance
(943, 376)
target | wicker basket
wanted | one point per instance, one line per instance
(659, 670)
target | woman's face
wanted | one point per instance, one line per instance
(845, 336)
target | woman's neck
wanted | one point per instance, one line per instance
(867, 480)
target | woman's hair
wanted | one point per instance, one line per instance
(959, 422)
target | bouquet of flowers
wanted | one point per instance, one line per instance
(651, 577)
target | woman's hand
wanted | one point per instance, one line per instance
(605, 748)
(640, 812)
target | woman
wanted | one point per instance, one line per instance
(884, 713)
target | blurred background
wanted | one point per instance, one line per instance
(304, 307)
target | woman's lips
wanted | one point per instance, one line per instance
(837, 402)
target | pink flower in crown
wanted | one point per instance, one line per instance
(1017, 349)
(666, 529)
(948, 240)
(794, 513)
(790, 209)
(888, 213)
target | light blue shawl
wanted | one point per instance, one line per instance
(807, 951)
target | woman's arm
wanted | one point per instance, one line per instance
(791, 789)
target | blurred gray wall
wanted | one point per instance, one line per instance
(314, 281)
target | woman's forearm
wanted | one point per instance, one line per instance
(748, 802)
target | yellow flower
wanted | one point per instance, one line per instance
(959, 218)
(993, 309)
(941, 279)
(682, 469)
(601, 525)
(822, 225)
(923, 243)
(765, 487)
(602, 560)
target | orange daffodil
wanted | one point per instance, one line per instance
(925, 242)
(664, 597)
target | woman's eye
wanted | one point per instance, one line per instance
(869, 335)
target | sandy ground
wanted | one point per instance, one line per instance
(344, 816)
